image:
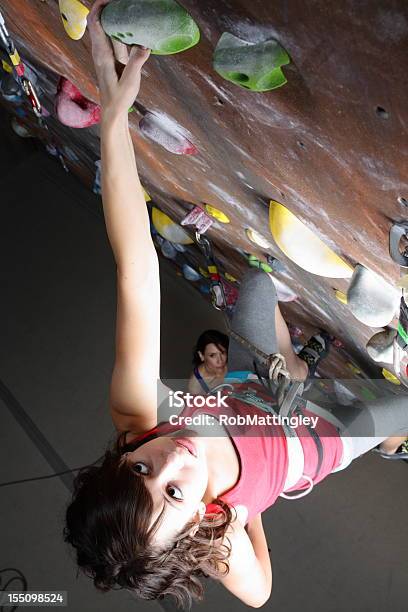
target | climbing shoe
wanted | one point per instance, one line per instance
(315, 350)
(401, 454)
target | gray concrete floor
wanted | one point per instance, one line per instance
(341, 549)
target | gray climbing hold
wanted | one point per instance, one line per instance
(163, 26)
(20, 129)
(181, 248)
(190, 274)
(381, 346)
(276, 264)
(97, 186)
(168, 250)
(10, 89)
(371, 299)
(255, 66)
(397, 232)
(344, 396)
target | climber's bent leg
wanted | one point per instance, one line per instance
(257, 318)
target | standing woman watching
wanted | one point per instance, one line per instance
(169, 505)
(209, 361)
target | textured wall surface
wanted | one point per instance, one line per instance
(330, 144)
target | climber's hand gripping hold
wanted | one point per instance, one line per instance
(118, 71)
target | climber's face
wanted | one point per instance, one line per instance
(214, 357)
(174, 470)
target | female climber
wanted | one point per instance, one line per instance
(209, 360)
(175, 501)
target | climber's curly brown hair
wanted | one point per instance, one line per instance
(107, 522)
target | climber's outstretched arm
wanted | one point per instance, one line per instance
(136, 371)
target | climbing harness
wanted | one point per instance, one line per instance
(297, 405)
(26, 84)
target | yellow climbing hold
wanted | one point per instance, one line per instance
(353, 368)
(302, 246)
(390, 377)
(73, 15)
(257, 238)
(203, 272)
(217, 214)
(231, 278)
(146, 195)
(168, 229)
(342, 297)
(6, 66)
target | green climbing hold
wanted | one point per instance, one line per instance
(367, 395)
(255, 66)
(163, 26)
(254, 262)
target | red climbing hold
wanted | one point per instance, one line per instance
(231, 293)
(167, 133)
(73, 109)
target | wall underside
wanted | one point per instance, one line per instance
(330, 144)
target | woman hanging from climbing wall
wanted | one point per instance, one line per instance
(175, 501)
(209, 361)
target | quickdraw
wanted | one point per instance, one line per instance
(19, 68)
(26, 84)
(217, 290)
(201, 223)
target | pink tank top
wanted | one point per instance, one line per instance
(263, 454)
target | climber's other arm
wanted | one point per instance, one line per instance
(133, 390)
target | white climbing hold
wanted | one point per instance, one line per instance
(371, 299)
(380, 346)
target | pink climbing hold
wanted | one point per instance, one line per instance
(199, 219)
(73, 109)
(167, 133)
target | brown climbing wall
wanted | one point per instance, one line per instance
(330, 144)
